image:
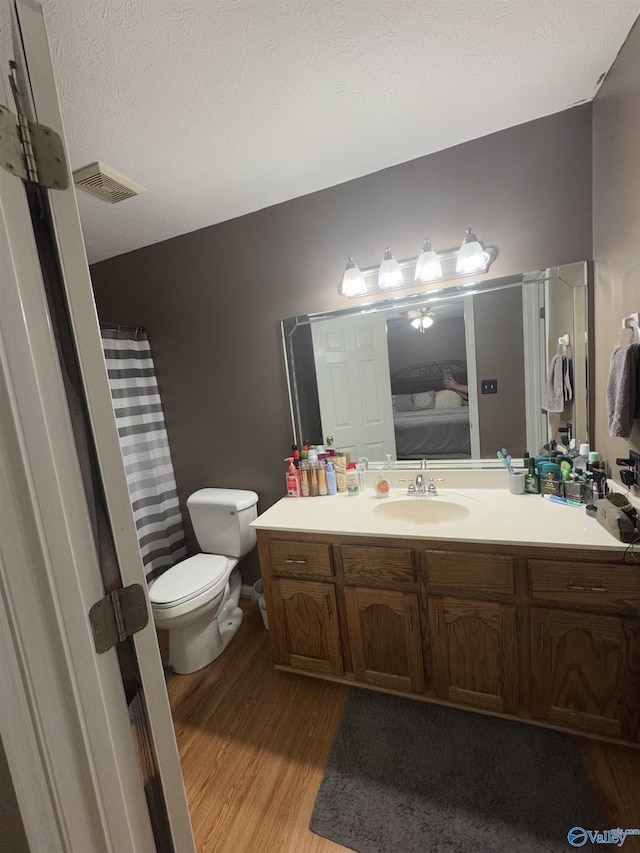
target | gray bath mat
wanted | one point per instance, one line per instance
(407, 777)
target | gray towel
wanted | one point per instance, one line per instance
(554, 389)
(623, 396)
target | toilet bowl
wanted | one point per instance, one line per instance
(196, 600)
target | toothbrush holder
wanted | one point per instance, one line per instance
(516, 483)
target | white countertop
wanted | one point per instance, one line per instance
(495, 516)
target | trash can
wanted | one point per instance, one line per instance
(258, 598)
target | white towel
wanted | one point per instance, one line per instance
(554, 390)
(623, 394)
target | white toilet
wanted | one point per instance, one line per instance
(197, 600)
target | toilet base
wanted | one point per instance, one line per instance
(196, 645)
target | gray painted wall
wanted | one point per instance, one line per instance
(616, 222)
(212, 300)
(499, 355)
(444, 341)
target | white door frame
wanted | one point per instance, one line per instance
(66, 730)
(77, 724)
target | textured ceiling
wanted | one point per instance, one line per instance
(222, 108)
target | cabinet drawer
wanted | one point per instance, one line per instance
(300, 558)
(585, 583)
(378, 567)
(479, 572)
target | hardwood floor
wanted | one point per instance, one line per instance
(254, 742)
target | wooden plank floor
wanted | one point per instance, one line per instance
(254, 743)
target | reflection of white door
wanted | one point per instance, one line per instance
(354, 389)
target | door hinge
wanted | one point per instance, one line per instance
(32, 151)
(120, 614)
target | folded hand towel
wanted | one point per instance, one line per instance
(623, 394)
(554, 390)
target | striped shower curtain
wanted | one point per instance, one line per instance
(145, 448)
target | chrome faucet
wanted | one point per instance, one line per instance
(420, 487)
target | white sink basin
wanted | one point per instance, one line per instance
(421, 511)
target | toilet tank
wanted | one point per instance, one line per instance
(221, 519)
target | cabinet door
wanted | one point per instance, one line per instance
(586, 671)
(306, 619)
(385, 638)
(475, 652)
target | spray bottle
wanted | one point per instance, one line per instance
(293, 480)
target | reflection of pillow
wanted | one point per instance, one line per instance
(424, 400)
(403, 402)
(447, 399)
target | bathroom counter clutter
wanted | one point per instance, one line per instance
(476, 598)
(489, 515)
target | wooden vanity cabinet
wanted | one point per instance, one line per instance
(585, 646)
(472, 618)
(305, 613)
(299, 588)
(384, 630)
(382, 616)
(539, 634)
(585, 671)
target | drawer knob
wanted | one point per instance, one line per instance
(576, 587)
(297, 562)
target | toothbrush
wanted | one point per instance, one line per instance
(558, 500)
(509, 465)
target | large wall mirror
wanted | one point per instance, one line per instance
(453, 373)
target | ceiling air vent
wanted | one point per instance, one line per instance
(105, 183)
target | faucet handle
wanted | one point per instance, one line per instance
(411, 487)
(432, 483)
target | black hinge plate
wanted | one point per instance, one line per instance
(120, 614)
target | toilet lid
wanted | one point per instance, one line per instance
(189, 578)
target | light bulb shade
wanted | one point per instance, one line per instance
(471, 257)
(353, 283)
(422, 322)
(428, 266)
(389, 274)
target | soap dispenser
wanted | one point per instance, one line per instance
(293, 480)
(383, 487)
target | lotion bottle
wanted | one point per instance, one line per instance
(293, 480)
(304, 479)
(353, 486)
(332, 485)
(322, 480)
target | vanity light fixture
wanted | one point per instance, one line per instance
(471, 257)
(428, 266)
(353, 283)
(422, 320)
(389, 274)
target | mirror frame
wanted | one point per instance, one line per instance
(578, 276)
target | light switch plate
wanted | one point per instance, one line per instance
(488, 386)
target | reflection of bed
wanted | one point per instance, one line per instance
(430, 433)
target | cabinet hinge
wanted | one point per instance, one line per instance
(120, 614)
(31, 151)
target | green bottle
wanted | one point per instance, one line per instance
(532, 480)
